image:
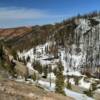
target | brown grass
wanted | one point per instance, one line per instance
(11, 90)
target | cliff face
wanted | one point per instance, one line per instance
(82, 46)
(73, 44)
(76, 42)
(85, 51)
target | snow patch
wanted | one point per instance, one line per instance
(77, 96)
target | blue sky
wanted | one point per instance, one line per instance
(15, 13)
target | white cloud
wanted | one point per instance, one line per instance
(9, 13)
(21, 13)
(16, 16)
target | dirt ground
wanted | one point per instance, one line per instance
(11, 90)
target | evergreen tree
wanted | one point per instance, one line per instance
(24, 60)
(55, 71)
(59, 82)
(45, 70)
(50, 70)
(89, 93)
(14, 54)
(68, 84)
(28, 59)
(76, 79)
(34, 50)
(11, 68)
(1, 52)
(46, 49)
(34, 77)
(60, 66)
(37, 66)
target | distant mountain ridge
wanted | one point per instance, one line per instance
(21, 35)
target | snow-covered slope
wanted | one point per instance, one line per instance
(84, 25)
(85, 51)
(49, 59)
(83, 55)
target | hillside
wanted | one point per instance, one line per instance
(75, 42)
(62, 58)
(25, 37)
(12, 90)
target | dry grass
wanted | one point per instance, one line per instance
(11, 90)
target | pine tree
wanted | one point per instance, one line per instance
(34, 77)
(49, 71)
(60, 66)
(1, 52)
(45, 70)
(59, 82)
(28, 59)
(34, 50)
(89, 93)
(14, 53)
(76, 79)
(24, 60)
(37, 66)
(68, 84)
(55, 71)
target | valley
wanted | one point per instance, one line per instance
(62, 58)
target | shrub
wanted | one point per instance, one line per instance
(34, 77)
(76, 79)
(69, 85)
(14, 54)
(45, 70)
(89, 93)
(37, 66)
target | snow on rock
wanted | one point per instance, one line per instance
(97, 18)
(20, 79)
(51, 75)
(71, 80)
(77, 96)
(41, 56)
(67, 58)
(31, 70)
(84, 84)
(98, 91)
(29, 66)
(83, 25)
(74, 73)
(64, 63)
(71, 60)
(47, 86)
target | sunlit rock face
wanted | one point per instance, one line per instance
(85, 51)
(87, 39)
(81, 49)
